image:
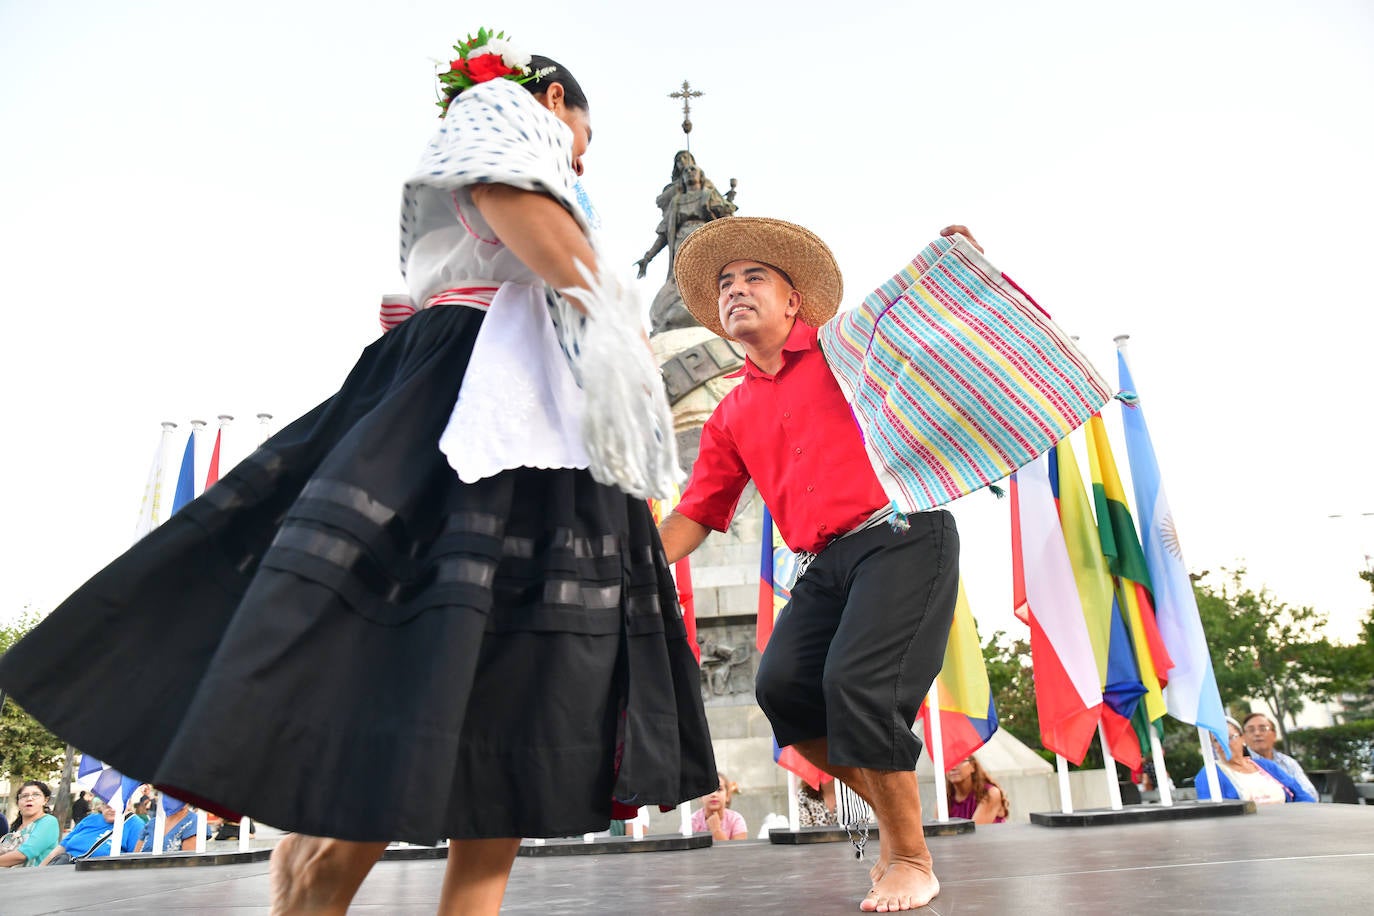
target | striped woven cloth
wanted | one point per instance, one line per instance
(956, 376)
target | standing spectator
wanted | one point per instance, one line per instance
(972, 794)
(715, 817)
(1260, 734)
(36, 834)
(81, 807)
(92, 836)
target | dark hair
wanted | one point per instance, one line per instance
(47, 793)
(1257, 715)
(573, 95)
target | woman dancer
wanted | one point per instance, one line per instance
(343, 612)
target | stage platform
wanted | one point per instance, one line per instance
(1289, 859)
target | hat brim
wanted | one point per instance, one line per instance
(796, 251)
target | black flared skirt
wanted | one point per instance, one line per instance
(343, 639)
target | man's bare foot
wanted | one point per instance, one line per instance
(908, 884)
(879, 868)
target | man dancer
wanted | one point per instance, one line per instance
(855, 650)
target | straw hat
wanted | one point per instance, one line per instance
(795, 251)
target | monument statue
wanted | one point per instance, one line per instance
(687, 202)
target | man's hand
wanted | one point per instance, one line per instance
(962, 230)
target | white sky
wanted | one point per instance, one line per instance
(198, 211)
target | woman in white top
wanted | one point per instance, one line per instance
(420, 588)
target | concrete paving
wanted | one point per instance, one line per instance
(1285, 859)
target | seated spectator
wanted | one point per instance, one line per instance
(1260, 734)
(4, 824)
(36, 832)
(715, 817)
(973, 794)
(816, 807)
(179, 831)
(1249, 778)
(92, 836)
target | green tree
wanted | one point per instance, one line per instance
(1269, 650)
(1008, 662)
(27, 749)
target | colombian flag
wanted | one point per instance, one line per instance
(1126, 560)
(967, 714)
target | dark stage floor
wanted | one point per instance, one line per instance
(1293, 859)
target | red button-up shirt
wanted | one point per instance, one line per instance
(794, 435)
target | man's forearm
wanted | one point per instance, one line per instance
(681, 535)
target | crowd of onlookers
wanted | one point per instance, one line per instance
(35, 837)
(1255, 771)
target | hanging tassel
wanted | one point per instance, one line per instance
(1129, 398)
(900, 523)
(997, 491)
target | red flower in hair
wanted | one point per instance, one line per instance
(482, 68)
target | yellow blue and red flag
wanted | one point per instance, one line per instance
(968, 715)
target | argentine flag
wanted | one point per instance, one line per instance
(1191, 695)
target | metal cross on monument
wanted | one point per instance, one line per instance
(686, 93)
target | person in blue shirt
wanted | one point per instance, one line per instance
(1249, 778)
(179, 831)
(92, 837)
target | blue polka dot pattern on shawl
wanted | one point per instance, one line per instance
(494, 133)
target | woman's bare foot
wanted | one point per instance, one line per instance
(310, 874)
(908, 884)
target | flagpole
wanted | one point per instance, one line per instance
(1166, 795)
(117, 835)
(1209, 763)
(793, 805)
(197, 481)
(937, 752)
(1065, 797)
(159, 824)
(1109, 766)
(245, 828)
(684, 819)
(263, 431)
(202, 828)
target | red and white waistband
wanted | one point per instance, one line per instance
(396, 309)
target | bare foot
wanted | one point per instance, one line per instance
(311, 874)
(879, 868)
(908, 884)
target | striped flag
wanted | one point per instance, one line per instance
(1068, 694)
(105, 782)
(968, 716)
(1191, 695)
(1116, 669)
(768, 604)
